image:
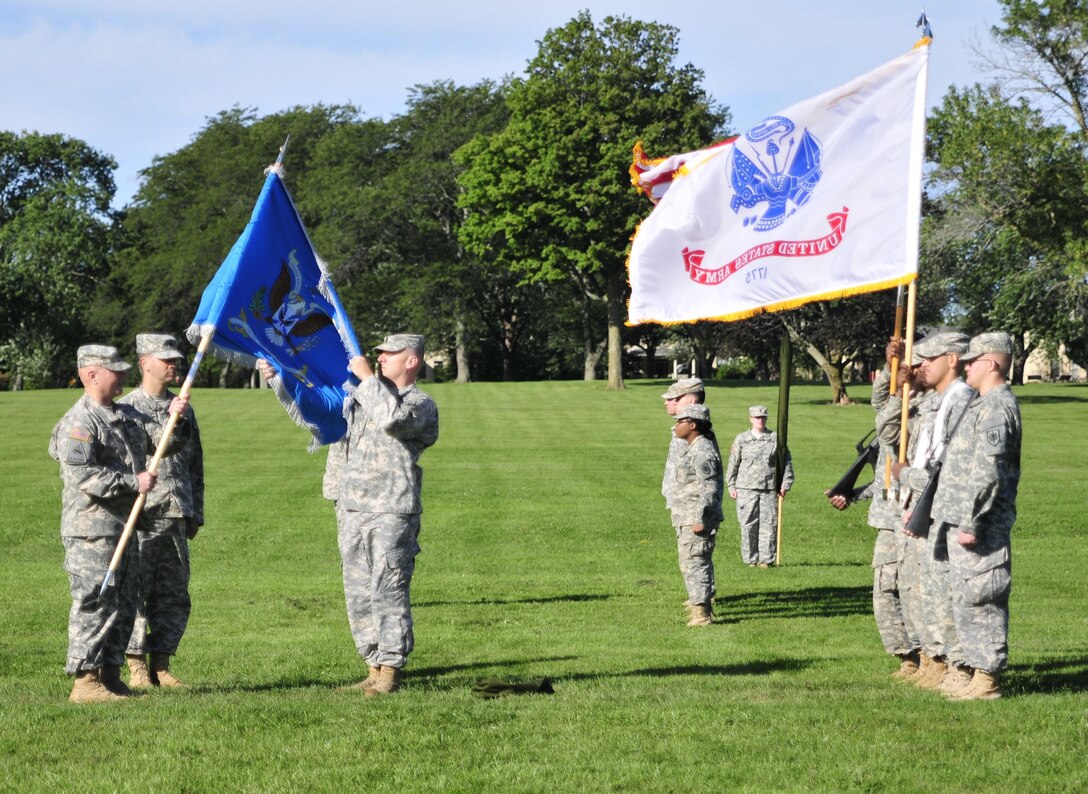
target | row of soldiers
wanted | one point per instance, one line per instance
(694, 484)
(104, 446)
(941, 586)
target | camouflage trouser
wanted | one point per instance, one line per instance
(886, 606)
(695, 553)
(909, 554)
(163, 593)
(941, 638)
(757, 513)
(98, 627)
(378, 552)
(980, 603)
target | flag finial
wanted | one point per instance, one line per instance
(923, 25)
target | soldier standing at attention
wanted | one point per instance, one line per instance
(897, 635)
(976, 504)
(695, 499)
(751, 475)
(686, 391)
(102, 449)
(941, 660)
(391, 423)
(174, 512)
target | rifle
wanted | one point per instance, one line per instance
(868, 454)
(918, 521)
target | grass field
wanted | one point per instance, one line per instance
(546, 551)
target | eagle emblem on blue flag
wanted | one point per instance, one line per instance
(775, 168)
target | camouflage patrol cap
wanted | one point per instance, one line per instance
(758, 410)
(940, 344)
(395, 343)
(103, 356)
(157, 345)
(993, 342)
(697, 411)
(682, 387)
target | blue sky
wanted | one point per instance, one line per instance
(137, 78)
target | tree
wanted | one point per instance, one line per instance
(835, 333)
(56, 235)
(1008, 213)
(190, 208)
(548, 197)
(1044, 54)
(403, 232)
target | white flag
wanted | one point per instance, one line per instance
(820, 201)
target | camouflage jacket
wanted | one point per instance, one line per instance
(101, 450)
(696, 492)
(981, 472)
(885, 513)
(954, 400)
(752, 462)
(387, 432)
(677, 448)
(179, 491)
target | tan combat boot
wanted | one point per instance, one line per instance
(908, 666)
(983, 686)
(88, 688)
(932, 678)
(366, 683)
(700, 615)
(110, 676)
(923, 667)
(139, 677)
(955, 681)
(388, 682)
(160, 671)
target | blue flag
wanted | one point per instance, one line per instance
(272, 298)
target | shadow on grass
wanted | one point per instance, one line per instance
(1051, 399)
(812, 602)
(755, 667)
(422, 676)
(575, 597)
(1049, 677)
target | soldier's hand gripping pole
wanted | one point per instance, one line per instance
(894, 373)
(153, 467)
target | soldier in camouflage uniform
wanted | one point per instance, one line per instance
(975, 503)
(695, 499)
(942, 659)
(102, 449)
(391, 423)
(750, 475)
(686, 391)
(174, 512)
(884, 516)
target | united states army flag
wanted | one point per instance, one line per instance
(819, 201)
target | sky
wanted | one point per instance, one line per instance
(136, 79)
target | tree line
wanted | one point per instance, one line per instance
(495, 218)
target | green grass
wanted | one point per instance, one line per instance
(546, 551)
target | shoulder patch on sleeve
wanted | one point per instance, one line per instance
(994, 437)
(79, 434)
(77, 451)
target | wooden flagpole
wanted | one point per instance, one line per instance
(785, 373)
(908, 352)
(153, 467)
